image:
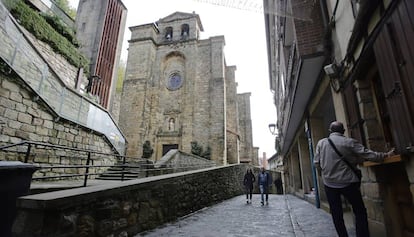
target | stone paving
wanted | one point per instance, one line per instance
(285, 216)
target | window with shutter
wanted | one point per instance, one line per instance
(354, 117)
(394, 56)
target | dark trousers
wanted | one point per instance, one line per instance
(249, 191)
(354, 197)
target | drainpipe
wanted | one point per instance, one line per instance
(315, 181)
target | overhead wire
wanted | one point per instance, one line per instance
(257, 6)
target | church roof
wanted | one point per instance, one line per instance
(182, 16)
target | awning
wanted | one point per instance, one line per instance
(309, 73)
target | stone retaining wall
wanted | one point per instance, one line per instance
(178, 161)
(125, 208)
(24, 118)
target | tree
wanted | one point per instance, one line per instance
(196, 149)
(207, 153)
(64, 5)
(120, 76)
(147, 150)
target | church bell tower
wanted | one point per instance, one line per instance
(178, 90)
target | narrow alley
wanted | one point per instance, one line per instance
(285, 216)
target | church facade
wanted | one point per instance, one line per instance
(179, 93)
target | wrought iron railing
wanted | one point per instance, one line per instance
(55, 162)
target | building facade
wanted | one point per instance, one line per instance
(179, 93)
(348, 61)
(245, 129)
(100, 26)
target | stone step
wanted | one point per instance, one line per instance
(116, 169)
(115, 178)
(115, 172)
(119, 174)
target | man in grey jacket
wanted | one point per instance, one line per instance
(337, 163)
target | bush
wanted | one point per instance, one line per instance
(197, 150)
(61, 28)
(42, 30)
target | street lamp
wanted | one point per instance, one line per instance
(272, 129)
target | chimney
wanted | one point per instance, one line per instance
(264, 160)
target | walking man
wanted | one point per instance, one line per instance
(337, 157)
(263, 182)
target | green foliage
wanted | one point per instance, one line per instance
(64, 5)
(42, 30)
(197, 150)
(120, 76)
(207, 153)
(61, 28)
(147, 150)
(9, 4)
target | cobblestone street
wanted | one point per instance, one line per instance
(284, 216)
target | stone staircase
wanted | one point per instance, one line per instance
(134, 170)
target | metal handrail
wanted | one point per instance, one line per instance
(112, 166)
(110, 172)
(124, 165)
(39, 166)
(55, 146)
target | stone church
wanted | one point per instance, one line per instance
(178, 91)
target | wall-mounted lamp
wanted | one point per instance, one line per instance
(334, 71)
(272, 129)
(331, 70)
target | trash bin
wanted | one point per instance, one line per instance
(15, 179)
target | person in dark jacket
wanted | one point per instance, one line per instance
(248, 184)
(279, 185)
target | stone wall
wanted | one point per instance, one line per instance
(126, 208)
(24, 118)
(177, 161)
(65, 71)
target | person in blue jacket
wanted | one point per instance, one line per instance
(263, 180)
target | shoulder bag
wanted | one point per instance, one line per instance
(357, 172)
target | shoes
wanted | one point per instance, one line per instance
(262, 203)
(247, 201)
(267, 203)
(250, 201)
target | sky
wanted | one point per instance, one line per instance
(245, 38)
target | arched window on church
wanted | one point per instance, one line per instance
(185, 31)
(168, 33)
(171, 124)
